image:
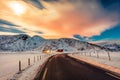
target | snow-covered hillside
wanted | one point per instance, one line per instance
(20, 42)
(67, 44)
(113, 45)
(24, 42)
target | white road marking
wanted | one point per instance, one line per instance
(50, 60)
(112, 75)
(45, 72)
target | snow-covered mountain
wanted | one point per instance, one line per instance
(113, 45)
(20, 42)
(67, 44)
(24, 42)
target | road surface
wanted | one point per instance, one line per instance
(63, 67)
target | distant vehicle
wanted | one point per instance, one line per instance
(60, 50)
(46, 51)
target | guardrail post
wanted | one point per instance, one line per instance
(40, 57)
(34, 59)
(109, 56)
(97, 55)
(37, 58)
(28, 61)
(20, 66)
(90, 53)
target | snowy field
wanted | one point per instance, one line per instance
(9, 62)
(102, 57)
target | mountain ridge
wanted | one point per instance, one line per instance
(24, 42)
(20, 42)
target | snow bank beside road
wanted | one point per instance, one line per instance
(103, 58)
(9, 63)
(104, 63)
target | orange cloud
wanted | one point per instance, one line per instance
(61, 19)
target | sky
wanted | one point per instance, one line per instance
(87, 20)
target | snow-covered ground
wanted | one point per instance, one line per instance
(9, 64)
(113, 45)
(102, 57)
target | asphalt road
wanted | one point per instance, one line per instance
(63, 67)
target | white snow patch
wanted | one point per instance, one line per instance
(9, 65)
(103, 57)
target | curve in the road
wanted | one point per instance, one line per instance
(63, 67)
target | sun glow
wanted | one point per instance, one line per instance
(18, 8)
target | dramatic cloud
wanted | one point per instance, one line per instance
(2, 22)
(110, 34)
(8, 28)
(59, 18)
(12, 30)
(84, 17)
(81, 38)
